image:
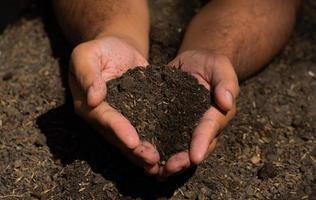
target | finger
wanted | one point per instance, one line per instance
(211, 147)
(85, 65)
(144, 156)
(152, 169)
(176, 164)
(147, 153)
(126, 138)
(107, 117)
(209, 126)
(203, 134)
(226, 87)
(226, 92)
(177, 63)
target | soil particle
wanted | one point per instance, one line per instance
(7, 76)
(267, 171)
(39, 140)
(17, 164)
(164, 105)
(313, 153)
(255, 159)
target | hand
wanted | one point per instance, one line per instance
(93, 64)
(217, 74)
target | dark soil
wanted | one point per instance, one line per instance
(161, 103)
(47, 152)
(268, 170)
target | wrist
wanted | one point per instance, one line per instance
(130, 25)
(140, 44)
(225, 53)
(217, 56)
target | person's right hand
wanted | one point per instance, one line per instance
(92, 64)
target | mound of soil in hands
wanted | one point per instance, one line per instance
(164, 105)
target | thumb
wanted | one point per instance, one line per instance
(96, 92)
(226, 87)
(85, 66)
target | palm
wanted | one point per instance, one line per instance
(117, 57)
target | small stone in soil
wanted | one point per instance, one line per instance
(255, 159)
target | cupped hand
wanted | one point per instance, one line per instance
(217, 74)
(92, 64)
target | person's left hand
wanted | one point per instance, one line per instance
(217, 74)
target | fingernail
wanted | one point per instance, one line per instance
(229, 98)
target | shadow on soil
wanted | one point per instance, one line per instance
(70, 139)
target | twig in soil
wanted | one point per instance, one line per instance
(12, 195)
(91, 195)
(48, 190)
(88, 171)
(18, 180)
(181, 192)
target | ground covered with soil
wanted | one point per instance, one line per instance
(160, 102)
(47, 152)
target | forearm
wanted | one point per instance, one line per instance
(83, 20)
(248, 32)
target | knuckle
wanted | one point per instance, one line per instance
(108, 117)
(76, 51)
(74, 56)
(230, 115)
(234, 111)
(80, 47)
(85, 48)
(211, 122)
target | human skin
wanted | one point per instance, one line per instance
(227, 41)
(110, 36)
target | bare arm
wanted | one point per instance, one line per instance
(248, 32)
(83, 20)
(226, 41)
(111, 37)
